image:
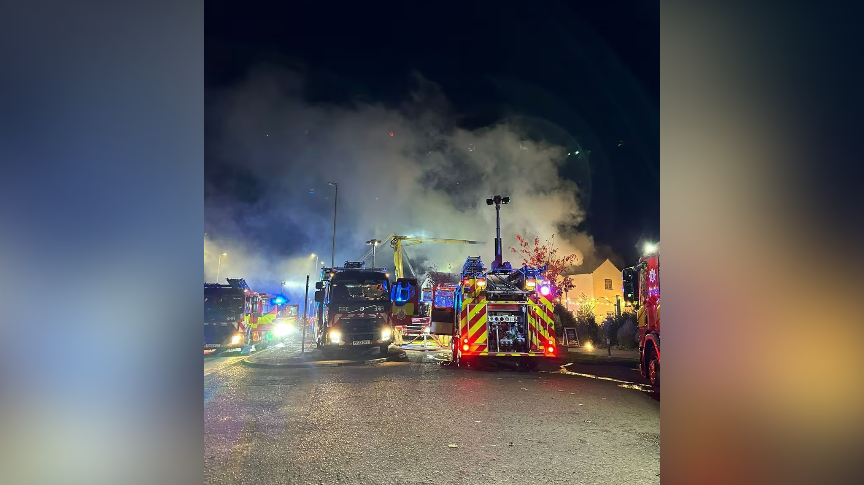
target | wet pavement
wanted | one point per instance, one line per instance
(418, 422)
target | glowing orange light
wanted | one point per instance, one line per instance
(465, 348)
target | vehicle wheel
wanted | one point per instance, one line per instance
(654, 372)
(385, 349)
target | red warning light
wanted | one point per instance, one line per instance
(391, 133)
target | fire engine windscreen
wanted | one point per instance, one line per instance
(223, 304)
(348, 287)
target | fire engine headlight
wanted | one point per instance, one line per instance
(335, 337)
(283, 329)
(236, 339)
(386, 333)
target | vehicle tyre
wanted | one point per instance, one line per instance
(654, 372)
(385, 349)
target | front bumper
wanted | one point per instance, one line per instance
(227, 346)
(348, 343)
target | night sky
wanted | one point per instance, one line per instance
(584, 76)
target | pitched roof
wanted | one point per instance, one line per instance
(588, 268)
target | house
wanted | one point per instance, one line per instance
(600, 284)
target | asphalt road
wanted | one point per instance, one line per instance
(398, 423)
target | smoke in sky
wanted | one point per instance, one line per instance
(408, 170)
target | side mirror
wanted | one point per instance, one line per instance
(319, 296)
(319, 285)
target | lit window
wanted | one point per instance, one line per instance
(608, 284)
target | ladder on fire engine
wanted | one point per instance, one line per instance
(423, 340)
(426, 342)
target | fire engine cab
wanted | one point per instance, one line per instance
(353, 309)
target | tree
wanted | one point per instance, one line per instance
(627, 335)
(563, 318)
(538, 255)
(586, 324)
(615, 323)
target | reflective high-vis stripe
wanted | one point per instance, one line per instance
(472, 324)
(476, 327)
(513, 354)
(462, 330)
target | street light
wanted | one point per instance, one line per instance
(219, 266)
(374, 243)
(313, 255)
(335, 207)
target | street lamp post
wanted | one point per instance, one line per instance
(305, 322)
(374, 243)
(335, 209)
(219, 266)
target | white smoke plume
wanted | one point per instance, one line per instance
(271, 156)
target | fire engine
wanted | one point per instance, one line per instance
(283, 320)
(642, 289)
(231, 316)
(502, 312)
(353, 309)
(410, 305)
(439, 293)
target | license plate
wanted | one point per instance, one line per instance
(212, 345)
(361, 342)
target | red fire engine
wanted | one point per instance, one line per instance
(353, 304)
(231, 316)
(503, 312)
(642, 289)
